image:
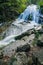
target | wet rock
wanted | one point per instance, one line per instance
(21, 36)
(24, 48)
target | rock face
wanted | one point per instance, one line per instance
(9, 50)
(38, 57)
(21, 59)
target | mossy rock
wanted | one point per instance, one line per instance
(39, 43)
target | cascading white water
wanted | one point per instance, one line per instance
(17, 29)
(30, 10)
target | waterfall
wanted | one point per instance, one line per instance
(17, 29)
(30, 10)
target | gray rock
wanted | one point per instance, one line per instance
(22, 59)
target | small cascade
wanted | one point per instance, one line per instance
(30, 10)
(17, 29)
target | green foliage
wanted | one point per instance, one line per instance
(40, 2)
(9, 9)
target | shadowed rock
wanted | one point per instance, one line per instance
(24, 48)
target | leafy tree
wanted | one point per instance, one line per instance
(10, 9)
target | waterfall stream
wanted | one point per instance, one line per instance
(21, 25)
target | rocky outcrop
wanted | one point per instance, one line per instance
(38, 57)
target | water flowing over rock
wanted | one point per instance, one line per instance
(30, 10)
(19, 26)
